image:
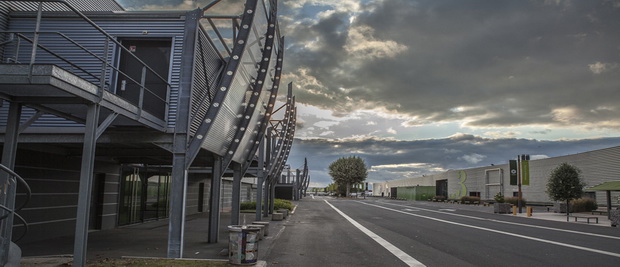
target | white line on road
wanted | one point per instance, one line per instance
(502, 232)
(507, 222)
(387, 245)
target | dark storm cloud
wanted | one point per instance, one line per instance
(507, 63)
(390, 159)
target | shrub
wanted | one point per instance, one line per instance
(515, 201)
(277, 204)
(583, 204)
(439, 198)
(248, 205)
(471, 199)
(282, 204)
(499, 198)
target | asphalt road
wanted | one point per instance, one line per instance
(378, 232)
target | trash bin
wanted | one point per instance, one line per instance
(242, 245)
(614, 216)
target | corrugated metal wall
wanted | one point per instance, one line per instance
(81, 5)
(225, 124)
(84, 34)
(208, 66)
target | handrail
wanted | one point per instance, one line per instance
(105, 61)
(101, 30)
(14, 177)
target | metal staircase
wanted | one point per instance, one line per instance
(8, 211)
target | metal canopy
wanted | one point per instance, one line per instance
(56, 91)
(606, 186)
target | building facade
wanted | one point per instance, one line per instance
(114, 117)
(596, 167)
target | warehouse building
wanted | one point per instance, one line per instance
(597, 167)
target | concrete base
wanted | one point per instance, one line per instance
(276, 216)
(266, 224)
(261, 232)
(284, 212)
(15, 256)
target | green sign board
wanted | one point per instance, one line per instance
(513, 172)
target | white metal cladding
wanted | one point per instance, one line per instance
(597, 166)
(83, 33)
(81, 5)
(252, 131)
(208, 66)
(225, 124)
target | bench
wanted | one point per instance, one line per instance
(600, 212)
(584, 217)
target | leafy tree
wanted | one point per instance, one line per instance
(565, 184)
(347, 171)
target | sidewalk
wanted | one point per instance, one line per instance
(538, 213)
(146, 240)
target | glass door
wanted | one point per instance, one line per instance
(145, 193)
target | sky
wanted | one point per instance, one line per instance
(417, 87)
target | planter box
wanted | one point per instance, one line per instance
(559, 207)
(502, 207)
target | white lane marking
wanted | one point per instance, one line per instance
(512, 223)
(503, 232)
(387, 245)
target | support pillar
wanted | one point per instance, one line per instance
(236, 194)
(176, 226)
(85, 190)
(7, 188)
(260, 180)
(214, 200)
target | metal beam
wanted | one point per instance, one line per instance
(214, 200)
(225, 83)
(85, 192)
(180, 165)
(9, 151)
(260, 181)
(236, 194)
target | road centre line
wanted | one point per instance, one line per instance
(410, 261)
(506, 222)
(502, 232)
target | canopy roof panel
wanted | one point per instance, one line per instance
(606, 186)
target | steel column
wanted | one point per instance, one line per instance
(236, 194)
(214, 200)
(85, 190)
(297, 185)
(8, 189)
(260, 180)
(180, 166)
(176, 225)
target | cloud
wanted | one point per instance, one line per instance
(479, 64)
(362, 45)
(472, 158)
(599, 67)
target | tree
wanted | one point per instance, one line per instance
(347, 171)
(565, 184)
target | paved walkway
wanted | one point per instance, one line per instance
(145, 240)
(539, 212)
(150, 239)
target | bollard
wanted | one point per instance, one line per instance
(529, 211)
(514, 210)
